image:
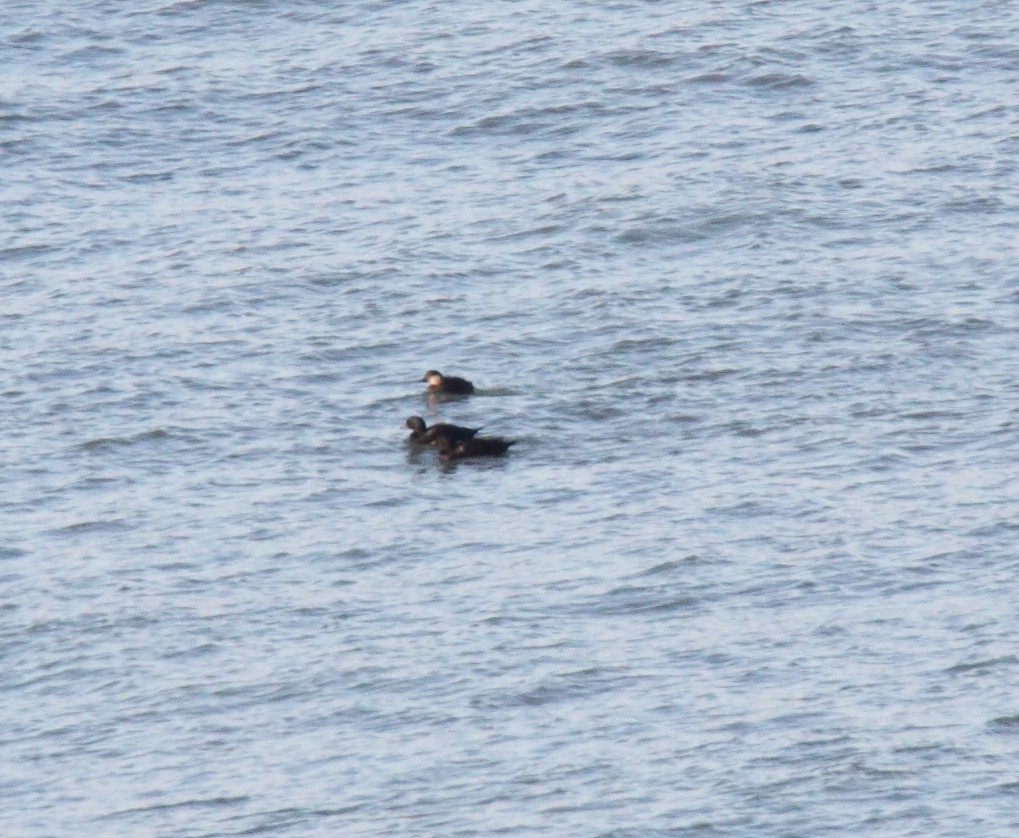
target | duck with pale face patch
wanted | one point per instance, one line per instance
(439, 383)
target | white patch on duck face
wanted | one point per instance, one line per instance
(434, 380)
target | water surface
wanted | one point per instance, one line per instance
(740, 278)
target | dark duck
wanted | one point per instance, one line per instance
(439, 383)
(421, 434)
(474, 447)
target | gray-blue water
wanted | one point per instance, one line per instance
(739, 276)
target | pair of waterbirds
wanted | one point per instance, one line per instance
(454, 442)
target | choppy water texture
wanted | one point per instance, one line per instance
(740, 277)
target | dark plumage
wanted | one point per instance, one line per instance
(421, 434)
(439, 383)
(477, 447)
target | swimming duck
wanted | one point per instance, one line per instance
(475, 447)
(439, 383)
(421, 434)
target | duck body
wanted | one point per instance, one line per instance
(475, 447)
(439, 383)
(421, 434)
(451, 434)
